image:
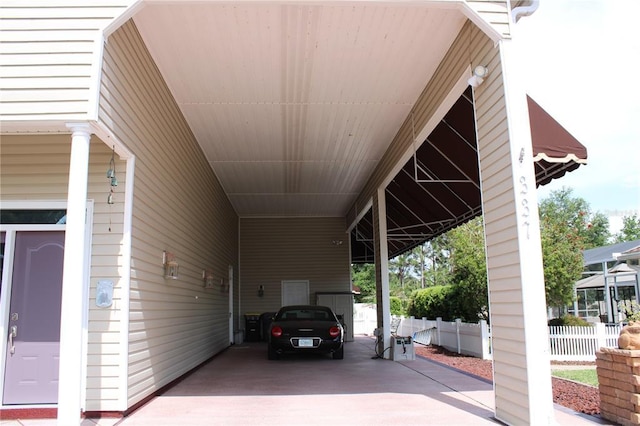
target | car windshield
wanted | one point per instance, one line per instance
(304, 314)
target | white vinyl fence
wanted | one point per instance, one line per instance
(565, 343)
(457, 336)
(570, 343)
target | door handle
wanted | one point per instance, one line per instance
(12, 334)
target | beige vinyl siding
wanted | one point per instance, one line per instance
(36, 167)
(178, 206)
(495, 13)
(49, 64)
(276, 249)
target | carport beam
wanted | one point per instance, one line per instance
(381, 255)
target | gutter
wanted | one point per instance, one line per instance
(520, 11)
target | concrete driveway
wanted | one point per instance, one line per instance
(241, 387)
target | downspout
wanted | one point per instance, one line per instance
(520, 11)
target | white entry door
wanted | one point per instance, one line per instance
(295, 293)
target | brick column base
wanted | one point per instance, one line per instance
(619, 382)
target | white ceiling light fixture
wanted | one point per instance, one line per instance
(479, 74)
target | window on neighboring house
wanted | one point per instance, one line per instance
(589, 302)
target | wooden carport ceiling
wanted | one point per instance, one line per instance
(294, 104)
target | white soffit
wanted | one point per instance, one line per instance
(295, 104)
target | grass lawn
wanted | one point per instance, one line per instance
(587, 376)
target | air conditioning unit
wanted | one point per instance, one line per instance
(402, 348)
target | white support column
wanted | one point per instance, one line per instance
(382, 269)
(70, 379)
(607, 294)
(516, 279)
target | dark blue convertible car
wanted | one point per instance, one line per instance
(305, 328)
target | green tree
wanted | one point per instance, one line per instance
(364, 277)
(573, 213)
(469, 271)
(422, 263)
(567, 227)
(438, 267)
(562, 261)
(630, 229)
(463, 268)
(401, 268)
(597, 233)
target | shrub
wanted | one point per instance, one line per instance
(468, 301)
(569, 320)
(432, 302)
(631, 310)
(395, 305)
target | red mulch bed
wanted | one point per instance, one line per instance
(578, 397)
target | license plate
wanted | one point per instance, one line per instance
(305, 343)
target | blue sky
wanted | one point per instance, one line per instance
(583, 61)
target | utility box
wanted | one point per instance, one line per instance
(402, 348)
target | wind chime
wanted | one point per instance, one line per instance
(113, 182)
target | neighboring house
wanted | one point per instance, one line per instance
(612, 282)
(169, 167)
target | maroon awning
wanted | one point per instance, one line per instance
(555, 150)
(439, 188)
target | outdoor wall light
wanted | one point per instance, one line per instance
(261, 291)
(207, 278)
(480, 71)
(170, 265)
(479, 74)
